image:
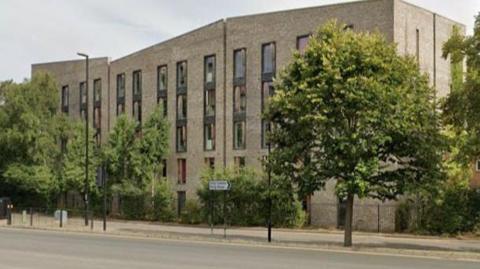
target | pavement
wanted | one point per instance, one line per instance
(27, 248)
(452, 248)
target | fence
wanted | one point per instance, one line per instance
(366, 217)
(53, 218)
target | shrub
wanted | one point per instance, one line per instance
(192, 213)
(246, 203)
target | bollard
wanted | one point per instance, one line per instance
(61, 218)
(31, 216)
(9, 214)
(91, 221)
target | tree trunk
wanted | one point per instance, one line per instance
(348, 221)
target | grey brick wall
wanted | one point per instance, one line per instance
(397, 20)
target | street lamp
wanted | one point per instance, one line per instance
(269, 188)
(85, 190)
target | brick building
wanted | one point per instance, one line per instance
(214, 80)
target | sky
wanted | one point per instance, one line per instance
(33, 31)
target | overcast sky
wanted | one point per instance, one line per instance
(33, 31)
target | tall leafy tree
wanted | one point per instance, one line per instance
(73, 160)
(352, 110)
(135, 158)
(462, 105)
(28, 141)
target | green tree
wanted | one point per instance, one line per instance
(29, 151)
(134, 156)
(73, 161)
(352, 110)
(462, 105)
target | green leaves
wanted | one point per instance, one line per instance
(29, 153)
(351, 109)
(135, 158)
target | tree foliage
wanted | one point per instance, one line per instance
(30, 125)
(247, 200)
(134, 157)
(352, 110)
(461, 107)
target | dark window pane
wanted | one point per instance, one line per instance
(162, 78)
(268, 60)
(121, 86)
(181, 138)
(210, 69)
(182, 74)
(240, 99)
(239, 135)
(209, 102)
(97, 90)
(239, 63)
(302, 42)
(137, 83)
(181, 106)
(209, 136)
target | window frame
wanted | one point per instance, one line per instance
(307, 36)
(120, 87)
(269, 75)
(65, 98)
(240, 80)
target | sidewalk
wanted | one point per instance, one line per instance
(314, 238)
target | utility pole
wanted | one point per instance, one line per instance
(269, 190)
(85, 190)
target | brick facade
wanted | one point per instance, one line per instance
(398, 21)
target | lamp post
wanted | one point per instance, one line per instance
(269, 190)
(85, 190)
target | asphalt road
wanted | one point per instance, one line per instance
(52, 250)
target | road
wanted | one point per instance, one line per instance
(52, 250)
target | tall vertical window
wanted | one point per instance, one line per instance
(181, 141)
(181, 138)
(268, 73)
(97, 111)
(209, 103)
(210, 162)
(239, 162)
(239, 98)
(137, 96)
(267, 92)
(268, 59)
(182, 171)
(181, 201)
(209, 136)
(164, 168)
(239, 134)
(120, 94)
(209, 69)
(65, 96)
(181, 107)
(162, 82)
(302, 42)
(240, 60)
(417, 44)
(83, 100)
(97, 91)
(182, 74)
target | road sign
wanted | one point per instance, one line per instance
(219, 185)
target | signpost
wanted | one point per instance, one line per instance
(219, 185)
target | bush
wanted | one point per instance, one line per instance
(457, 211)
(247, 200)
(160, 206)
(148, 204)
(192, 213)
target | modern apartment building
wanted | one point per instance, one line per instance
(214, 81)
